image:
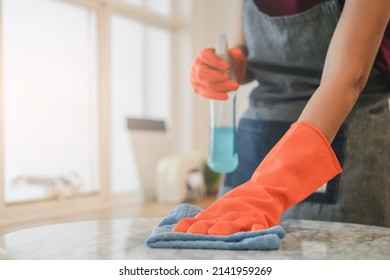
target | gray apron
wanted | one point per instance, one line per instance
(286, 56)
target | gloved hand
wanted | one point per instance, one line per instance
(295, 167)
(210, 77)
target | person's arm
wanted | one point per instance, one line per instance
(209, 73)
(350, 57)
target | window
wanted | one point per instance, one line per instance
(141, 67)
(72, 72)
(163, 7)
(50, 99)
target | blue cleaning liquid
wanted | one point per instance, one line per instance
(223, 156)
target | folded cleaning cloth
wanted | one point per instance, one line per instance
(163, 236)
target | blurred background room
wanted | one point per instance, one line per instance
(97, 115)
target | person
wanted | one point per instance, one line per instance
(323, 72)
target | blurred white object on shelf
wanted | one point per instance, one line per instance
(151, 143)
(180, 178)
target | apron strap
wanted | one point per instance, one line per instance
(341, 3)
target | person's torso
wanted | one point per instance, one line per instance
(291, 7)
(286, 54)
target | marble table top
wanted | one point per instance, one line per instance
(124, 239)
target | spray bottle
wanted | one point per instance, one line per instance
(223, 156)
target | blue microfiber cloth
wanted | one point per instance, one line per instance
(163, 237)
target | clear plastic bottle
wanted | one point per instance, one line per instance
(223, 156)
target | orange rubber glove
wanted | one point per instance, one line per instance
(210, 77)
(295, 167)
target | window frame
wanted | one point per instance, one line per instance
(104, 10)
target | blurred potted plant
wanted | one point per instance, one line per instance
(211, 178)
